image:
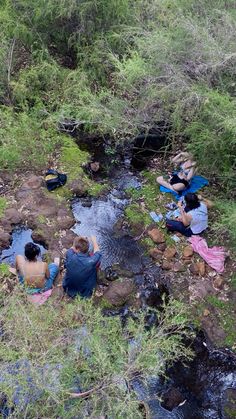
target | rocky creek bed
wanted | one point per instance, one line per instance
(205, 388)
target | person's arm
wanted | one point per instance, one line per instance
(184, 216)
(96, 247)
(47, 273)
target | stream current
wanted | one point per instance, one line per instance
(203, 382)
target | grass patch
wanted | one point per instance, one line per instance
(3, 206)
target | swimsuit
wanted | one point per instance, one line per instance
(176, 179)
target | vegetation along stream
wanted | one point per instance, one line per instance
(107, 92)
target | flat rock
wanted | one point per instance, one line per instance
(161, 246)
(218, 282)
(77, 187)
(118, 293)
(68, 239)
(64, 223)
(170, 252)
(34, 182)
(187, 252)
(12, 216)
(156, 235)
(167, 265)
(179, 267)
(155, 253)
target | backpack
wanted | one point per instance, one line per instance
(54, 179)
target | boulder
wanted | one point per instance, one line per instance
(161, 246)
(118, 293)
(198, 268)
(77, 187)
(95, 166)
(201, 267)
(122, 272)
(12, 216)
(156, 235)
(67, 240)
(172, 398)
(64, 223)
(5, 239)
(167, 265)
(218, 282)
(170, 252)
(187, 252)
(179, 267)
(156, 253)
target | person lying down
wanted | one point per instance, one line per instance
(181, 179)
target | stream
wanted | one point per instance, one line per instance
(193, 391)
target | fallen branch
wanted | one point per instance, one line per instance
(85, 393)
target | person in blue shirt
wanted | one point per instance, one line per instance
(81, 268)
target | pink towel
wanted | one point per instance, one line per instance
(39, 299)
(214, 256)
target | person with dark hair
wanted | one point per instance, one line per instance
(81, 268)
(35, 275)
(193, 217)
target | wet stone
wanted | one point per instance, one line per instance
(119, 293)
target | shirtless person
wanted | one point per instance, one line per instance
(35, 275)
(180, 180)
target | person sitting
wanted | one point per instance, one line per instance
(81, 268)
(180, 180)
(193, 217)
(35, 275)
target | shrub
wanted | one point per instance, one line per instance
(75, 345)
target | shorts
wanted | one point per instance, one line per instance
(176, 179)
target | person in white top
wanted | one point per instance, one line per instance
(193, 217)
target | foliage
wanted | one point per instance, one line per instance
(3, 205)
(225, 220)
(23, 142)
(76, 345)
(226, 319)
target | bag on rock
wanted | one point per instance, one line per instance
(54, 179)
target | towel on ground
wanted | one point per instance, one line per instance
(214, 256)
(196, 183)
(40, 298)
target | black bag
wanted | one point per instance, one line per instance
(54, 179)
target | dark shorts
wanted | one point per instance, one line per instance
(176, 179)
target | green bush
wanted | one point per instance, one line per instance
(76, 343)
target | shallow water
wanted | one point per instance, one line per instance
(20, 236)
(98, 217)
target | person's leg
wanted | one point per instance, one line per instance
(173, 225)
(163, 182)
(53, 270)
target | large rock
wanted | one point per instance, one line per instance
(167, 265)
(12, 216)
(156, 253)
(5, 239)
(187, 252)
(34, 182)
(77, 187)
(156, 235)
(218, 282)
(64, 223)
(170, 252)
(67, 240)
(172, 398)
(120, 292)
